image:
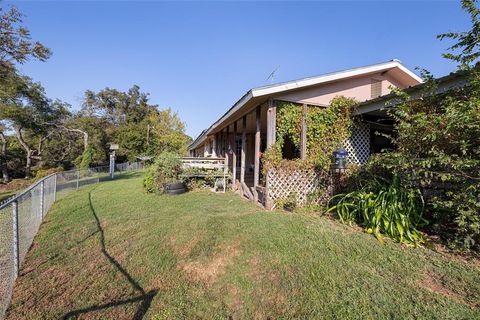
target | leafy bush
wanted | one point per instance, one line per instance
(87, 157)
(41, 173)
(288, 203)
(438, 151)
(387, 209)
(327, 128)
(149, 181)
(166, 169)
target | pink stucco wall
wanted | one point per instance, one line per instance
(358, 88)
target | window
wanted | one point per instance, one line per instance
(376, 88)
(289, 150)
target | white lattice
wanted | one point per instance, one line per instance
(358, 145)
(301, 182)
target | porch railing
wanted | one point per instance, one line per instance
(209, 167)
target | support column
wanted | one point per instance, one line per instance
(244, 145)
(271, 139)
(256, 174)
(234, 156)
(220, 144)
(227, 143)
(271, 123)
(303, 134)
(214, 146)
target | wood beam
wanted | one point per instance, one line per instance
(234, 155)
(244, 145)
(222, 145)
(256, 174)
(271, 122)
(271, 139)
(227, 143)
(246, 191)
(214, 146)
(303, 134)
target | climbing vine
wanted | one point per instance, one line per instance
(327, 128)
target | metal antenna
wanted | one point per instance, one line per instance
(272, 75)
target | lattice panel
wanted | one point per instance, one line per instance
(358, 145)
(302, 182)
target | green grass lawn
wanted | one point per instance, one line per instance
(110, 251)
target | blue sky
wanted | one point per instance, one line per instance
(200, 57)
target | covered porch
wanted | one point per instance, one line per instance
(243, 141)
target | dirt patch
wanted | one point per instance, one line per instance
(468, 257)
(183, 250)
(234, 302)
(209, 272)
(269, 296)
(434, 283)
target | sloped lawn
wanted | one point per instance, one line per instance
(110, 251)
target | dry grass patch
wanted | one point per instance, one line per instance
(434, 283)
(208, 272)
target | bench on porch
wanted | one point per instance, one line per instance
(216, 168)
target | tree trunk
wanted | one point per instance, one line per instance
(85, 136)
(3, 158)
(28, 150)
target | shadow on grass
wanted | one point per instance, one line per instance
(145, 298)
(128, 175)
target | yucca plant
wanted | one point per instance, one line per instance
(390, 210)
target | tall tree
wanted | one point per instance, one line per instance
(136, 125)
(466, 49)
(17, 92)
(26, 110)
(16, 45)
(3, 156)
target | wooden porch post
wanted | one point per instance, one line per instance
(271, 122)
(221, 148)
(256, 175)
(227, 143)
(271, 139)
(303, 135)
(244, 143)
(214, 146)
(234, 155)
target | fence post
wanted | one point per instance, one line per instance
(78, 178)
(42, 199)
(15, 243)
(54, 187)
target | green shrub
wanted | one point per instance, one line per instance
(288, 203)
(386, 209)
(438, 151)
(87, 157)
(41, 173)
(166, 169)
(149, 181)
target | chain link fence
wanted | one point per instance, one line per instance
(22, 215)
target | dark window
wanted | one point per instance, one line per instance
(289, 150)
(379, 142)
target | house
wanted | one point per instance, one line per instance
(248, 128)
